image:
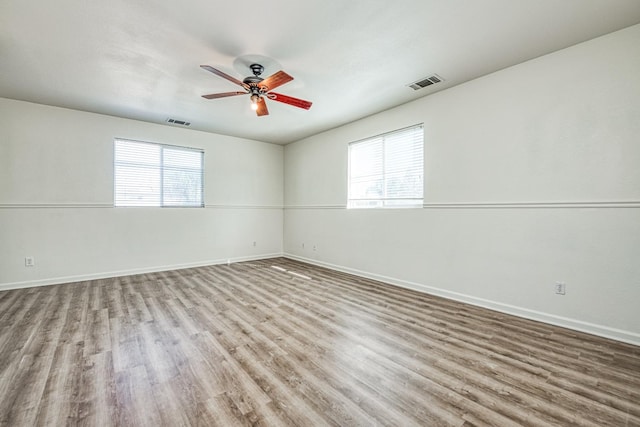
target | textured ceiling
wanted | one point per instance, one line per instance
(140, 59)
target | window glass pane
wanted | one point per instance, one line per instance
(182, 187)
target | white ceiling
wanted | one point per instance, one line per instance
(140, 59)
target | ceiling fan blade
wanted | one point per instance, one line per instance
(262, 108)
(275, 80)
(223, 75)
(300, 103)
(223, 95)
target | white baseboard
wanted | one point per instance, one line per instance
(578, 325)
(120, 273)
(574, 324)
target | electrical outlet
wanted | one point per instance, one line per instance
(254, 243)
(314, 247)
(29, 261)
(561, 288)
(303, 246)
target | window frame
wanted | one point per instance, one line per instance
(384, 202)
(162, 168)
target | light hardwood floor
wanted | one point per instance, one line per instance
(249, 344)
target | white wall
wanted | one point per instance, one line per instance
(532, 176)
(56, 199)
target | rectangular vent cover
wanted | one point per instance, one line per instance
(428, 81)
(178, 122)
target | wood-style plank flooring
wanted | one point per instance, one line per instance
(250, 344)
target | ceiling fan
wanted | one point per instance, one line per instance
(259, 89)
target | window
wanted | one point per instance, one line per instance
(148, 174)
(387, 170)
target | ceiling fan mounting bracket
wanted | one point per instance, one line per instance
(256, 69)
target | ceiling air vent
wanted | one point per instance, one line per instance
(428, 81)
(178, 122)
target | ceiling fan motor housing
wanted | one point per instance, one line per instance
(252, 80)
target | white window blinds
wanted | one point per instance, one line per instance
(148, 174)
(387, 170)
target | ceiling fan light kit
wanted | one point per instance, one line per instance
(258, 89)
